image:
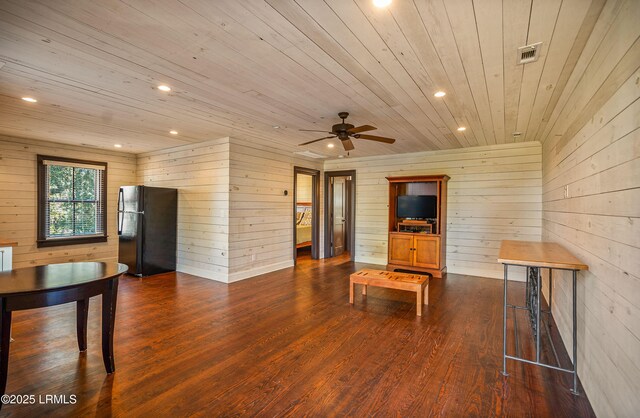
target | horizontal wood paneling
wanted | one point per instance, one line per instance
(200, 172)
(491, 198)
(260, 215)
(592, 147)
(18, 200)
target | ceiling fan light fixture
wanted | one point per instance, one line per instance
(440, 94)
(381, 3)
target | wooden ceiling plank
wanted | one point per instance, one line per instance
(585, 46)
(382, 114)
(371, 49)
(69, 61)
(544, 14)
(461, 16)
(413, 29)
(489, 23)
(395, 43)
(367, 96)
(440, 32)
(243, 48)
(258, 104)
(515, 18)
(570, 18)
(617, 42)
(351, 97)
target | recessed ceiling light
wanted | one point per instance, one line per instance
(173, 132)
(29, 99)
(117, 145)
(440, 94)
(330, 145)
(462, 128)
(164, 88)
(381, 3)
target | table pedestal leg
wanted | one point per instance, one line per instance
(82, 312)
(108, 321)
(5, 338)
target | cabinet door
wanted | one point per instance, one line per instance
(400, 249)
(427, 251)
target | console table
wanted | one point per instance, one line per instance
(535, 256)
(54, 284)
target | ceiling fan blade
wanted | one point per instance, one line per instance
(362, 128)
(316, 140)
(376, 138)
(347, 144)
(311, 130)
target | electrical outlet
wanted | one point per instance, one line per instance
(253, 257)
(566, 191)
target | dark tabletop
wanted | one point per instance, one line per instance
(56, 276)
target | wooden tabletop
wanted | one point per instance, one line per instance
(539, 254)
(8, 243)
(56, 276)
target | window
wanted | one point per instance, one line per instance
(72, 201)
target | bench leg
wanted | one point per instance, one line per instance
(426, 294)
(364, 290)
(351, 289)
(419, 294)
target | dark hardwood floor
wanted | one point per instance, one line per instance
(286, 344)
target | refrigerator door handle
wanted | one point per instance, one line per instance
(121, 200)
(120, 222)
(120, 210)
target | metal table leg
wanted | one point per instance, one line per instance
(575, 335)
(504, 325)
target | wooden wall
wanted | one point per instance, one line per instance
(200, 172)
(18, 200)
(592, 146)
(494, 194)
(260, 215)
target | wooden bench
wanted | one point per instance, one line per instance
(392, 280)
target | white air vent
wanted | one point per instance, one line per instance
(529, 53)
(310, 154)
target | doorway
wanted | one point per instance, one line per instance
(306, 197)
(340, 201)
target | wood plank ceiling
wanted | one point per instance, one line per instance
(239, 68)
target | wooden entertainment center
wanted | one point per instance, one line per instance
(418, 244)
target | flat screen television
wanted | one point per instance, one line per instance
(417, 207)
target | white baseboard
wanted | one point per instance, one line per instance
(246, 274)
(206, 274)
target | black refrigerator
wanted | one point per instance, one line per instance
(147, 229)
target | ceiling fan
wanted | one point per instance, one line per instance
(345, 131)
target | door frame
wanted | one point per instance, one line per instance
(351, 212)
(315, 210)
